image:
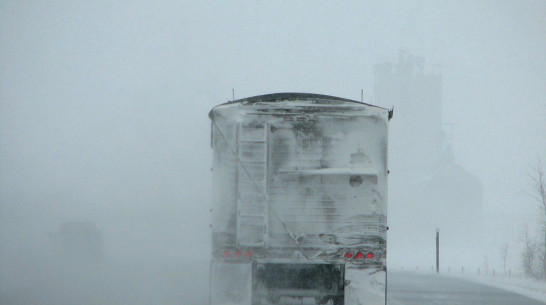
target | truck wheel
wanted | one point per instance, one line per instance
(256, 300)
(337, 301)
(321, 300)
(273, 299)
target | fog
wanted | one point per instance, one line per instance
(103, 120)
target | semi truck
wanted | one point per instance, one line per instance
(299, 205)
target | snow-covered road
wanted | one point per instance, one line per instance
(170, 282)
(407, 288)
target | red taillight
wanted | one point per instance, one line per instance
(237, 254)
(348, 255)
(359, 255)
(371, 255)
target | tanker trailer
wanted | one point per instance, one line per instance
(299, 200)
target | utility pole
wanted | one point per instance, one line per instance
(437, 250)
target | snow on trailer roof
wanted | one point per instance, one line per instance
(289, 97)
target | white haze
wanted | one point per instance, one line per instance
(103, 118)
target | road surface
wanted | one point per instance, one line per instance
(432, 289)
(141, 282)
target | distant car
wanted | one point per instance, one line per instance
(79, 242)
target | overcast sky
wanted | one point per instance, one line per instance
(103, 104)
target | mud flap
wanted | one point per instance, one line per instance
(231, 284)
(365, 286)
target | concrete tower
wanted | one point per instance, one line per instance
(428, 189)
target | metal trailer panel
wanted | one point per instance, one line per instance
(365, 286)
(289, 171)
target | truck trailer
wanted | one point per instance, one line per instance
(299, 200)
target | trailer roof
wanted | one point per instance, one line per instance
(288, 96)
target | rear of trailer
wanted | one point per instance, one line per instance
(299, 200)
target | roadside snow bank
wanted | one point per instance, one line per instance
(526, 287)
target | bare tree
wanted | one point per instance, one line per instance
(537, 191)
(504, 255)
(529, 256)
(538, 185)
(485, 265)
